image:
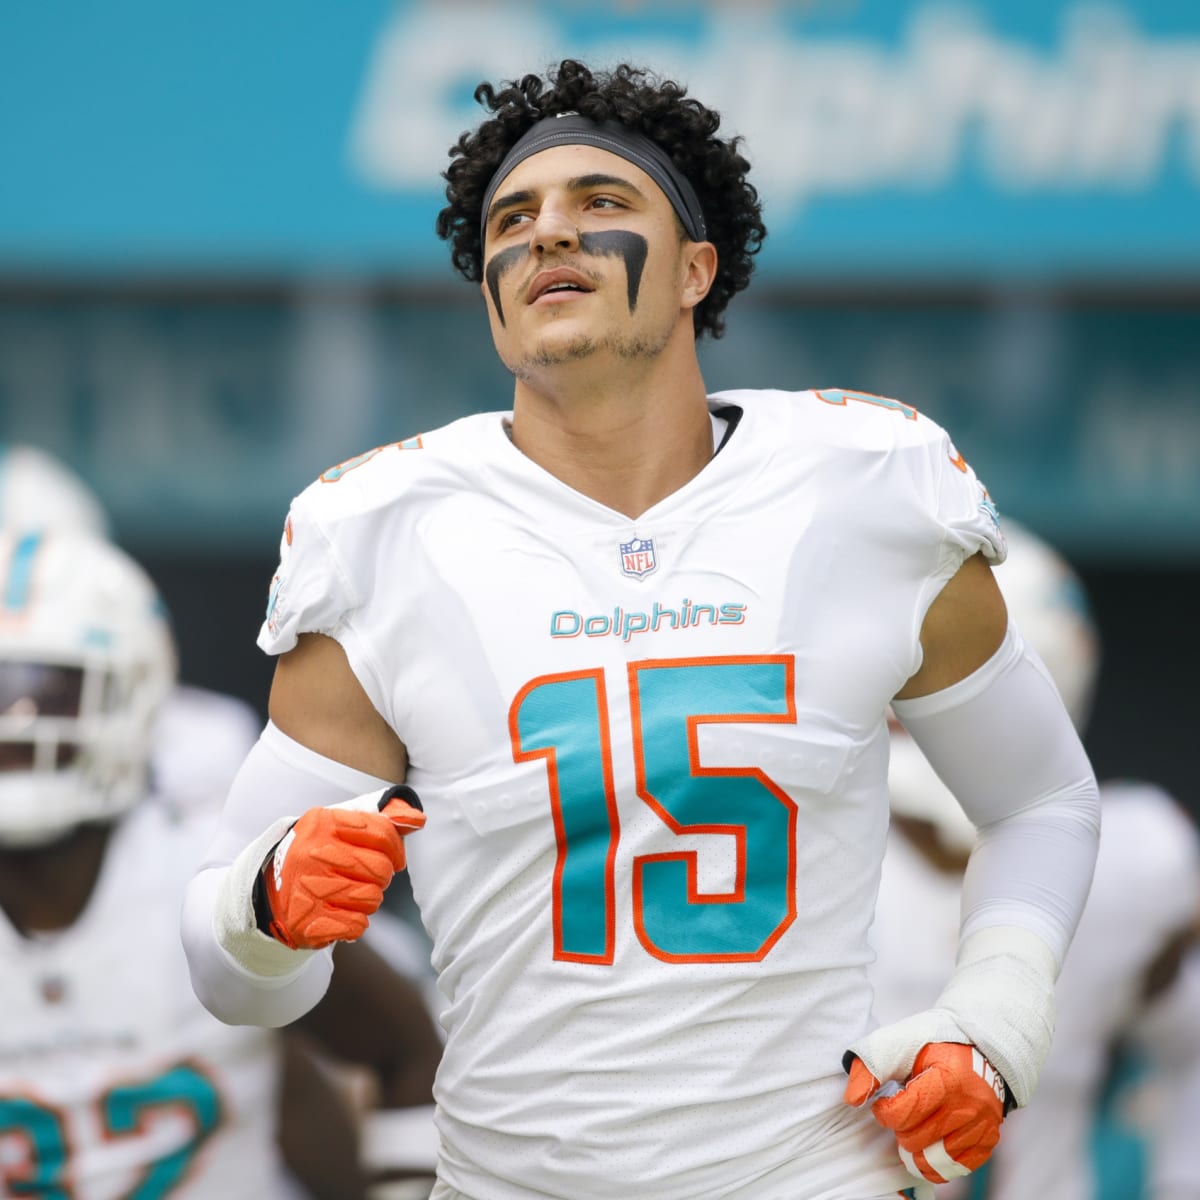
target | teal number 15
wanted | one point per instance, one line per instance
(565, 720)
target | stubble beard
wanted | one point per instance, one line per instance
(629, 348)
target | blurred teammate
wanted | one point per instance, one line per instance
(113, 1078)
(633, 648)
(201, 736)
(37, 491)
(1122, 977)
(199, 739)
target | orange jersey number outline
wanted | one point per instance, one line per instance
(564, 720)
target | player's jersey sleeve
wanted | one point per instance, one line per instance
(896, 473)
(332, 563)
(310, 592)
(938, 512)
(938, 493)
(964, 508)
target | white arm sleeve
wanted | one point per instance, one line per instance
(1002, 742)
(239, 974)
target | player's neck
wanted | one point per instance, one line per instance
(46, 888)
(627, 440)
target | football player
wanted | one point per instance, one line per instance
(610, 671)
(201, 735)
(113, 1078)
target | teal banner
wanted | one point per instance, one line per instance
(1041, 139)
(198, 420)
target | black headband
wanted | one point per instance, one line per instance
(571, 129)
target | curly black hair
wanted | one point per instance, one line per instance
(657, 108)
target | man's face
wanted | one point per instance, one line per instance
(582, 260)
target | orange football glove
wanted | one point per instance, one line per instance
(947, 1115)
(327, 875)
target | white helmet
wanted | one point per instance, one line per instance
(86, 658)
(39, 492)
(1047, 602)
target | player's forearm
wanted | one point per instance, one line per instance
(240, 974)
(1033, 869)
(287, 984)
(1004, 744)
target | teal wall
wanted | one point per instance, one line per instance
(898, 138)
(197, 418)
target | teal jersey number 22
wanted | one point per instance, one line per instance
(47, 1172)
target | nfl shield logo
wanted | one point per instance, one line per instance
(638, 558)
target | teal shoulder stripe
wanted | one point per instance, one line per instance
(20, 573)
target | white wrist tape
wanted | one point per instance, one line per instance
(1000, 999)
(234, 923)
(1002, 994)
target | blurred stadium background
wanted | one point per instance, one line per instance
(218, 273)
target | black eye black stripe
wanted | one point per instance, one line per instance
(632, 247)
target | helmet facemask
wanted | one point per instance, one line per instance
(83, 671)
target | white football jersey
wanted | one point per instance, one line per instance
(653, 757)
(114, 1081)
